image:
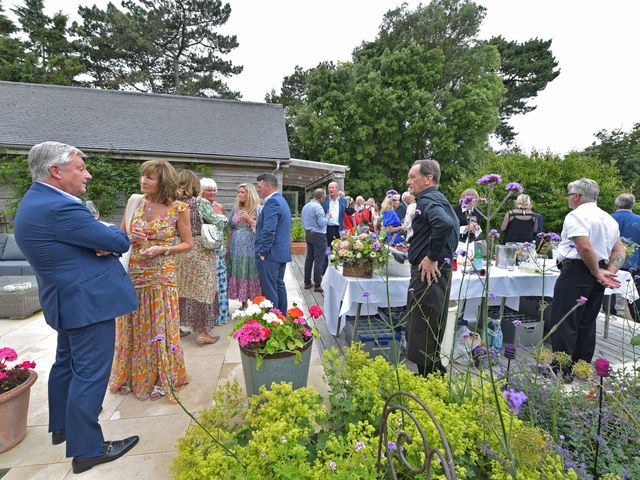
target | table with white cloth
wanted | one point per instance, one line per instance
(347, 295)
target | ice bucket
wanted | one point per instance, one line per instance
(506, 256)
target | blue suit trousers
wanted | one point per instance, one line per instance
(271, 275)
(78, 382)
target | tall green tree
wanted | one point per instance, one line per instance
(622, 149)
(161, 46)
(425, 87)
(526, 69)
(49, 55)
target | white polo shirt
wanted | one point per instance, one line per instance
(588, 220)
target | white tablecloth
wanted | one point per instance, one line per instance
(341, 294)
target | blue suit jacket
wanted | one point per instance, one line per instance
(59, 238)
(273, 230)
(629, 224)
(342, 205)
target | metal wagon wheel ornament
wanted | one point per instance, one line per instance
(445, 459)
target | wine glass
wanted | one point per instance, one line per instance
(93, 210)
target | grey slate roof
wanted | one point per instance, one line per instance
(132, 122)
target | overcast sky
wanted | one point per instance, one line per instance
(595, 43)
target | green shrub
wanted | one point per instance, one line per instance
(297, 232)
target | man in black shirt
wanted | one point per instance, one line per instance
(435, 237)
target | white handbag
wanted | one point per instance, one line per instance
(210, 236)
(132, 204)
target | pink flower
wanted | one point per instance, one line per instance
(315, 311)
(251, 332)
(3, 376)
(307, 333)
(8, 354)
(300, 321)
(26, 365)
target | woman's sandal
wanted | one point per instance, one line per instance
(156, 393)
(124, 390)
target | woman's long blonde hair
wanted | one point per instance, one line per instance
(387, 204)
(252, 198)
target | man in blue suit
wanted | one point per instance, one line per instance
(82, 288)
(273, 241)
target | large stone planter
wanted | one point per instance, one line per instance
(277, 367)
(14, 406)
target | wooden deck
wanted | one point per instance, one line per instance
(616, 347)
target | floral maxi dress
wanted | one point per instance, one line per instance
(148, 350)
(243, 272)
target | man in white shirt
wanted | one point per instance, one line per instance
(590, 253)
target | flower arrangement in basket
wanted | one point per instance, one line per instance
(365, 251)
(266, 330)
(11, 378)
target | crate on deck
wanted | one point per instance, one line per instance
(376, 336)
(526, 333)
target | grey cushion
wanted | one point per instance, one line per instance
(3, 242)
(11, 250)
(14, 267)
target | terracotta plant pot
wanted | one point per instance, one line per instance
(14, 406)
(298, 248)
(276, 367)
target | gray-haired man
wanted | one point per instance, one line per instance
(590, 253)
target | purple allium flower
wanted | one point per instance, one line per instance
(173, 348)
(461, 253)
(517, 323)
(366, 294)
(494, 233)
(526, 245)
(602, 367)
(561, 437)
(514, 187)
(392, 446)
(514, 399)
(482, 200)
(510, 351)
(492, 296)
(582, 299)
(376, 245)
(158, 338)
(490, 180)
(555, 237)
(540, 234)
(374, 235)
(447, 261)
(359, 446)
(332, 466)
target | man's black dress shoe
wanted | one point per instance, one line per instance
(110, 451)
(58, 437)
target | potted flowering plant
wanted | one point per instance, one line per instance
(15, 386)
(359, 254)
(274, 346)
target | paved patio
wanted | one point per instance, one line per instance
(159, 424)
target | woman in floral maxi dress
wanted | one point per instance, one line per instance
(196, 270)
(148, 358)
(213, 212)
(243, 273)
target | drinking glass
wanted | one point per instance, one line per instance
(93, 210)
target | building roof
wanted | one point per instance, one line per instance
(141, 123)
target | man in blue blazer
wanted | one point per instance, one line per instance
(273, 241)
(82, 288)
(334, 205)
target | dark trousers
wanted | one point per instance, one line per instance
(77, 383)
(333, 232)
(427, 320)
(316, 257)
(271, 275)
(576, 335)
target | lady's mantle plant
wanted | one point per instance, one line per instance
(266, 330)
(10, 378)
